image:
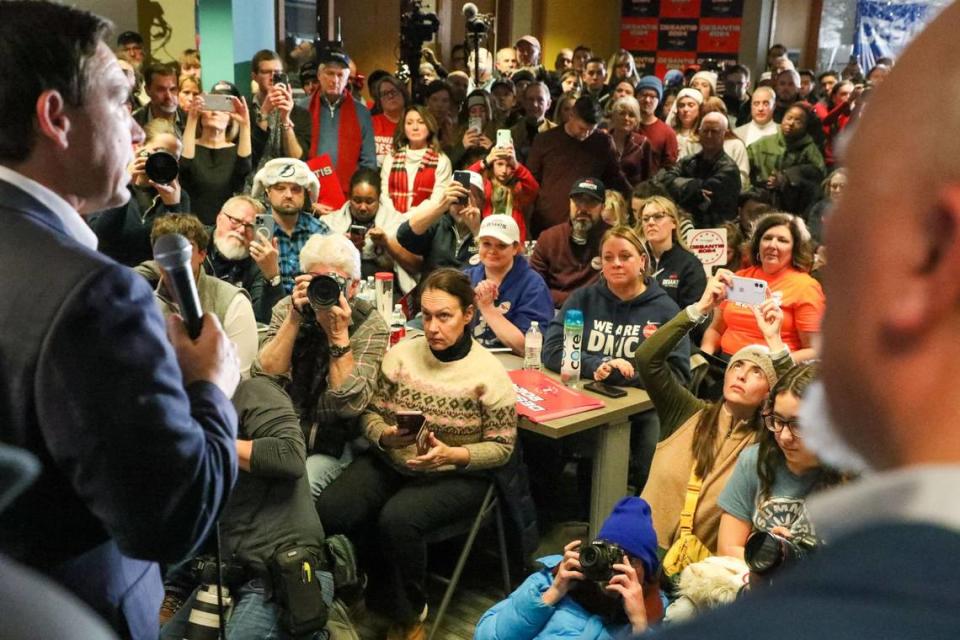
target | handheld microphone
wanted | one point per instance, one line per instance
(173, 252)
(470, 11)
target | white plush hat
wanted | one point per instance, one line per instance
(285, 170)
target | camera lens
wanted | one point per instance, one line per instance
(162, 167)
(323, 292)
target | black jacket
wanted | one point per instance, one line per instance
(246, 274)
(688, 179)
(270, 507)
(124, 232)
(680, 274)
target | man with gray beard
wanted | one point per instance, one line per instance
(241, 257)
(567, 254)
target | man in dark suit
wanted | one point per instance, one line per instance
(889, 569)
(138, 453)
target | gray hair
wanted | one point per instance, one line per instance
(333, 250)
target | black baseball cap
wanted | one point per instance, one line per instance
(308, 71)
(333, 55)
(129, 37)
(592, 187)
(225, 88)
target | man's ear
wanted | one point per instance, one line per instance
(53, 122)
(932, 289)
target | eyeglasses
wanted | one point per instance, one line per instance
(775, 423)
(237, 222)
(391, 93)
(653, 217)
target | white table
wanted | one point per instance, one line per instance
(611, 452)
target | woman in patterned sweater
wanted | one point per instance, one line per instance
(390, 497)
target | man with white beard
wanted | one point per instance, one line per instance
(242, 258)
(888, 568)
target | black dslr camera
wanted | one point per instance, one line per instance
(324, 290)
(766, 552)
(597, 560)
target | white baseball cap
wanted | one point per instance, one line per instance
(500, 226)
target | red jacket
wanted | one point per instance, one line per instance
(525, 191)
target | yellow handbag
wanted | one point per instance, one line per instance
(687, 548)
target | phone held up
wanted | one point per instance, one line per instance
(264, 225)
(747, 291)
(463, 177)
(217, 102)
(504, 138)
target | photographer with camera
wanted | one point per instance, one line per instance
(769, 486)
(123, 233)
(608, 588)
(326, 345)
(270, 515)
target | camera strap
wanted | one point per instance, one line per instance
(220, 621)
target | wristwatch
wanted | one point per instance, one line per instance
(275, 281)
(336, 351)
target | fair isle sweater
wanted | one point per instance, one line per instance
(468, 403)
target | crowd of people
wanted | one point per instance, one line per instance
(484, 209)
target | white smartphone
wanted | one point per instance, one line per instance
(475, 123)
(504, 138)
(217, 102)
(748, 291)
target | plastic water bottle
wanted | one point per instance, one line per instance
(398, 325)
(572, 341)
(370, 291)
(532, 345)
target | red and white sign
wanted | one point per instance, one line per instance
(710, 245)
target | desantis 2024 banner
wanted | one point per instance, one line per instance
(671, 34)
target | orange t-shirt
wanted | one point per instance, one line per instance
(801, 299)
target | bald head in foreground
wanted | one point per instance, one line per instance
(891, 362)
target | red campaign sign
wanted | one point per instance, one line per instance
(638, 34)
(719, 35)
(678, 35)
(667, 60)
(679, 8)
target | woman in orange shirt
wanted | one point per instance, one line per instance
(781, 256)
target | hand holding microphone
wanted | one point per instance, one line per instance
(203, 349)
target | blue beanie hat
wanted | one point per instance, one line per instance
(674, 77)
(651, 82)
(630, 526)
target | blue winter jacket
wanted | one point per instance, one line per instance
(524, 616)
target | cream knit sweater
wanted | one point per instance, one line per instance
(467, 403)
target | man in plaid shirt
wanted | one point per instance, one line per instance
(327, 358)
(287, 185)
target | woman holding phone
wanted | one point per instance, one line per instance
(781, 257)
(698, 438)
(216, 160)
(405, 486)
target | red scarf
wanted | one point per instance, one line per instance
(349, 138)
(422, 182)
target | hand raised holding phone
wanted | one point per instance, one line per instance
(715, 292)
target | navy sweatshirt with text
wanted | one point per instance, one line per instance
(614, 328)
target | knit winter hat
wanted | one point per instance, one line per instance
(693, 94)
(630, 526)
(285, 170)
(651, 82)
(709, 76)
(760, 356)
